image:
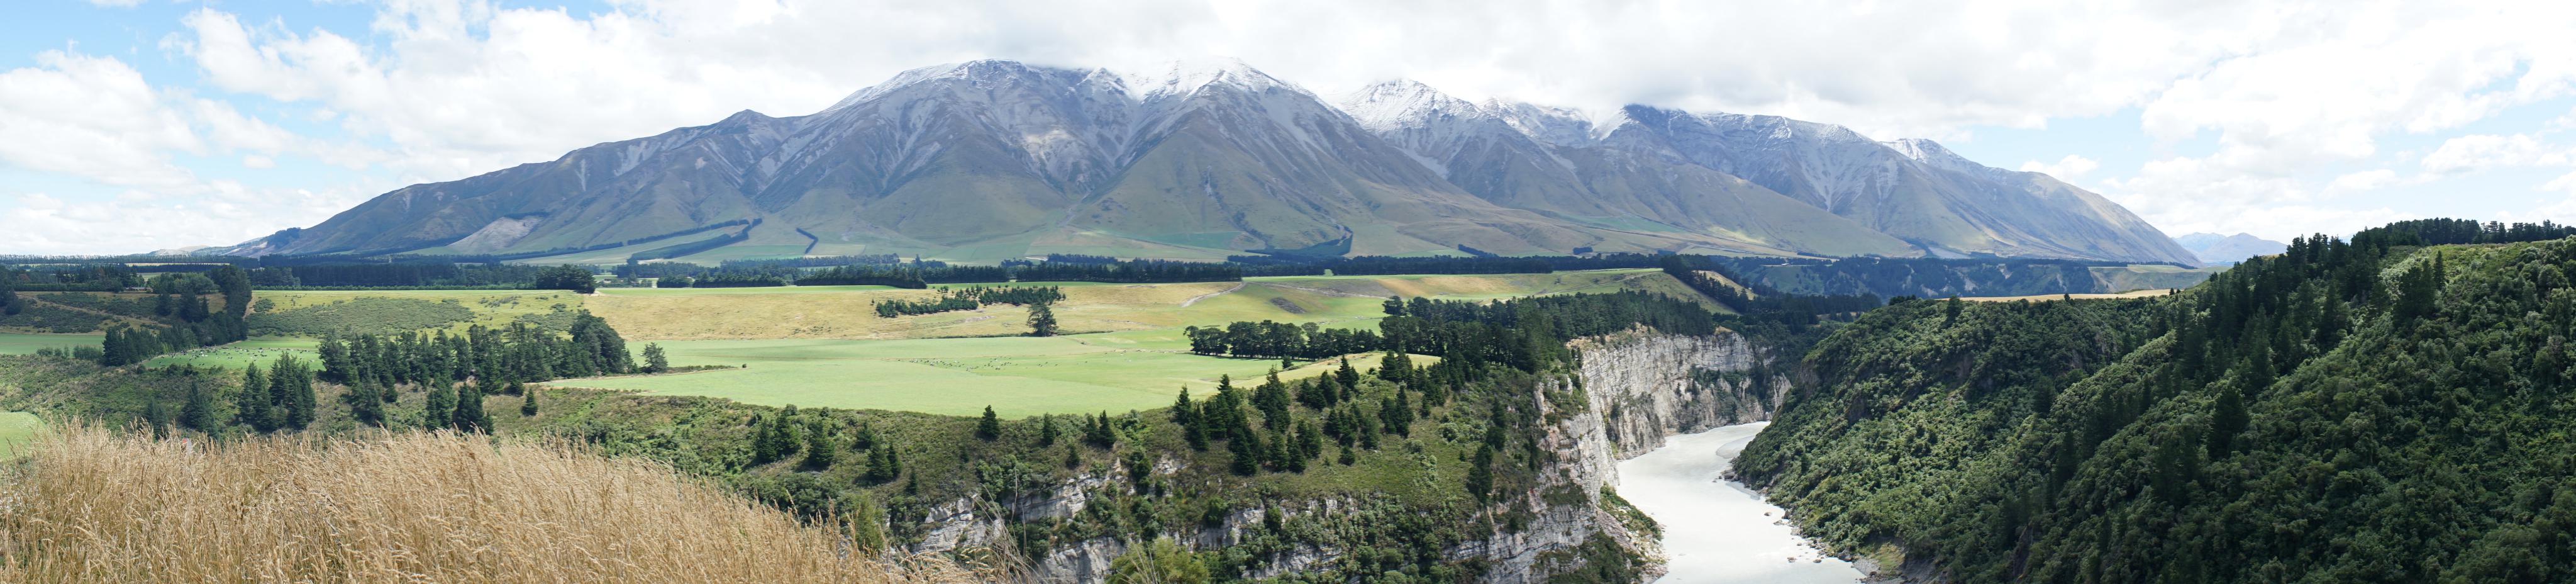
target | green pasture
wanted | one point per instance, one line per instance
(1017, 376)
(17, 428)
(261, 350)
(28, 343)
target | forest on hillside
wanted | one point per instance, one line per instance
(2371, 410)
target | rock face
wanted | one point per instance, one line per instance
(1649, 386)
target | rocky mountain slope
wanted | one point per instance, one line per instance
(998, 159)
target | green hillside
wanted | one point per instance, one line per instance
(2365, 412)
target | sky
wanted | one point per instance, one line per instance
(134, 125)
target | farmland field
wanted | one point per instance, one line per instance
(315, 312)
(262, 350)
(28, 343)
(1018, 376)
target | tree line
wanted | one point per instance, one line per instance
(187, 320)
(970, 298)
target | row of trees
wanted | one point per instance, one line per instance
(970, 298)
(517, 353)
(186, 319)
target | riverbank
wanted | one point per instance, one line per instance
(1717, 531)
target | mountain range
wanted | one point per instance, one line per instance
(2214, 249)
(994, 159)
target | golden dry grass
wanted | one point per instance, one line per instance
(87, 505)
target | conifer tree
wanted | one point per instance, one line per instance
(366, 404)
(199, 413)
(292, 386)
(469, 416)
(1480, 472)
(1072, 456)
(527, 401)
(441, 409)
(821, 443)
(1349, 377)
(1100, 433)
(1193, 428)
(989, 428)
(1247, 453)
(250, 405)
(1041, 320)
(2226, 420)
(1272, 399)
(1046, 430)
(157, 415)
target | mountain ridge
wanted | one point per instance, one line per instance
(995, 159)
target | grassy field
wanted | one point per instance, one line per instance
(846, 312)
(262, 350)
(1018, 376)
(310, 312)
(17, 428)
(28, 343)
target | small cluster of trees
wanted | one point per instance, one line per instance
(518, 353)
(187, 321)
(279, 399)
(816, 434)
(1337, 413)
(1274, 339)
(970, 298)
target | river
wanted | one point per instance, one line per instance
(1718, 531)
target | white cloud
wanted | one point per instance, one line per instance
(2483, 151)
(2364, 181)
(94, 118)
(225, 213)
(2067, 169)
(257, 161)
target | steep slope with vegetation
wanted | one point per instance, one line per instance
(2372, 411)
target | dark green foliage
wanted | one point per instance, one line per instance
(1521, 333)
(439, 410)
(199, 413)
(775, 438)
(469, 415)
(2343, 412)
(654, 360)
(250, 405)
(527, 401)
(990, 427)
(822, 445)
(518, 353)
(1042, 321)
(575, 278)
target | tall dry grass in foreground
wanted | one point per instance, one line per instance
(87, 505)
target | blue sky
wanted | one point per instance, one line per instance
(142, 124)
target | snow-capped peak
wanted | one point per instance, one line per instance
(1932, 153)
(1401, 103)
(981, 70)
(1187, 76)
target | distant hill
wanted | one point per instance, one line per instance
(2214, 249)
(992, 160)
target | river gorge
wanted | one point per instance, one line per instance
(1716, 531)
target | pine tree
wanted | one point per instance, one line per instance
(2226, 420)
(441, 409)
(367, 405)
(1099, 433)
(1349, 377)
(250, 405)
(199, 413)
(654, 360)
(1272, 399)
(1247, 453)
(1397, 414)
(469, 416)
(1480, 472)
(1041, 320)
(821, 444)
(157, 415)
(293, 384)
(989, 428)
(1186, 414)
(527, 401)
(1046, 430)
